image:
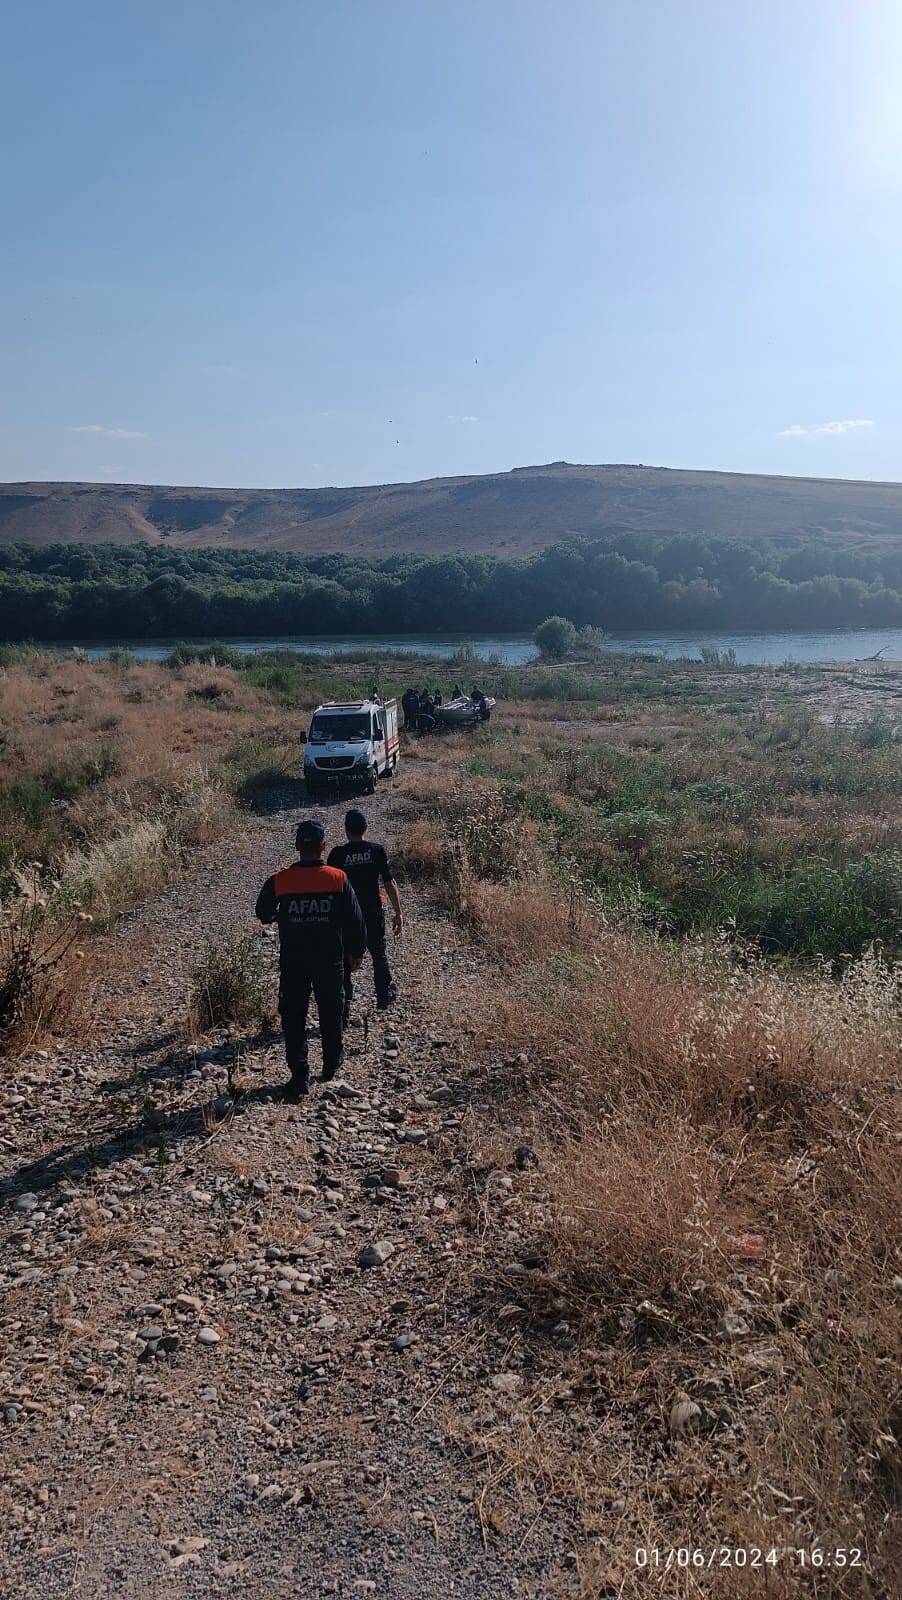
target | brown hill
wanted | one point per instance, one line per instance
(508, 513)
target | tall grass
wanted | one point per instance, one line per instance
(112, 772)
(718, 1147)
(780, 831)
(42, 985)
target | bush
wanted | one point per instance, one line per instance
(555, 637)
(823, 911)
(214, 654)
(257, 764)
(719, 797)
(229, 983)
(877, 732)
(39, 990)
(590, 639)
(633, 831)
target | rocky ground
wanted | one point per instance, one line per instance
(250, 1348)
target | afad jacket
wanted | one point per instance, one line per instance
(318, 915)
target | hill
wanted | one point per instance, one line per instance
(508, 513)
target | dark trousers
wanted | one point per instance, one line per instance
(375, 943)
(326, 984)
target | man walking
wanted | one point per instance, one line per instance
(321, 935)
(369, 870)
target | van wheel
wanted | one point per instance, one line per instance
(312, 789)
(371, 783)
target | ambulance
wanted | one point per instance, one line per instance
(351, 743)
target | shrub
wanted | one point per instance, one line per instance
(877, 732)
(633, 831)
(229, 983)
(212, 691)
(257, 764)
(590, 639)
(719, 797)
(38, 987)
(421, 851)
(464, 656)
(212, 655)
(555, 637)
(712, 657)
(817, 910)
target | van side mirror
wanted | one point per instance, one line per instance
(303, 736)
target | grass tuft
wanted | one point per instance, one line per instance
(229, 984)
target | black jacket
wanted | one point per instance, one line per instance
(367, 867)
(319, 918)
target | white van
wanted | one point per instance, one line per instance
(351, 742)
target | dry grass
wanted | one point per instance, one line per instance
(111, 773)
(44, 987)
(722, 1184)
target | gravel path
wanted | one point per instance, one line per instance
(203, 1390)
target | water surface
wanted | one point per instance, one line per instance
(832, 644)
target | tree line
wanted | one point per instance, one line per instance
(631, 581)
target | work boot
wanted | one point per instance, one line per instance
(330, 1071)
(295, 1089)
(383, 1001)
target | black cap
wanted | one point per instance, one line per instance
(310, 831)
(355, 821)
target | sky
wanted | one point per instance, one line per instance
(303, 242)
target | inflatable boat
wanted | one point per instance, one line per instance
(462, 712)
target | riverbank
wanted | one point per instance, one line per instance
(838, 646)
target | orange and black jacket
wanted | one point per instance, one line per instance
(319, 918)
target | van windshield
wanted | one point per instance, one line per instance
(327, 727)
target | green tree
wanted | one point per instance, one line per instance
(555, 637)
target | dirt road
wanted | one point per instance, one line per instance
(204, 1392)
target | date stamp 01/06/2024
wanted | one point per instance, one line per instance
(815, 1557)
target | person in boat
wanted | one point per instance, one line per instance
(437, 699)
(457, 692)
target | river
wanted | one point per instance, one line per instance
(838, 644)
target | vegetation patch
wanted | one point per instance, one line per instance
(717, 1182)
(229, 984)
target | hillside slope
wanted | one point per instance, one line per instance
(507, 513)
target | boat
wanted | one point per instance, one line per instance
(462, 712)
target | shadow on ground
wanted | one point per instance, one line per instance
(152, 1132)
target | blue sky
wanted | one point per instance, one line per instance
(356, 241)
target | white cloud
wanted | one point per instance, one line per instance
(109, 433)
(799, 430)
(463, 419)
